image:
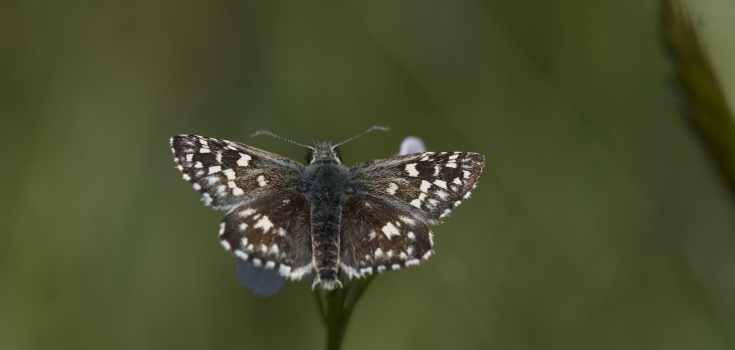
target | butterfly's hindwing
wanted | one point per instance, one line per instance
(429, 185)
(227, 173)
(378, 237)
(271, 232)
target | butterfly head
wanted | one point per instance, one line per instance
(323, 151)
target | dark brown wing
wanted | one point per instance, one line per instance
(377, 236)
(273, 232)
(427, 185)
(227, 173)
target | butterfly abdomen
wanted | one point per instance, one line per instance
(326, 192)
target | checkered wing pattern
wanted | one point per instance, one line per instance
(272, 232)
(428, 185)
(378, 237)
(227, 173)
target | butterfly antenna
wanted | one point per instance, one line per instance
(374, 127)
(266, 132)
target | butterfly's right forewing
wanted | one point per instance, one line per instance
(228, 173)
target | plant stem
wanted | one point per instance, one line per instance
(704, 98)
(335, 308)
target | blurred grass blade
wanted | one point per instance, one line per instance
(705, 101)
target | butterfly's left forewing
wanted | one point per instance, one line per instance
(428, 185)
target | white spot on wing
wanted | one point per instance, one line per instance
(378, 253)
(244, 159)
(416, 203)
(240, 254)
(189, 157)
(466, 174)
(207, 199)
(244, 227)
(196, 187)
(381, 268)
(264, 223)
(284, 270)
(391, 188)
(457, 181)
(229, 173)
(441, 183)
(411, 170)
(411, 235)
(261, 181)
(390, 230)
(187, 177)
(198, 165)
(396, 267)
(214, 169)
(219, 157)
(442, 194)
(269, 265)
(256, 262)
(436, 170)
(407, 220)
(412, 262)
(425, 185)
(453, 157)
(247, 212)
(225, 244)
(244, 242)
(238, 191)
(451, 165)
(204, 150)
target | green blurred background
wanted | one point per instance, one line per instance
(600, 221)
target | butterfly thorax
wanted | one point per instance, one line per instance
(327, 185)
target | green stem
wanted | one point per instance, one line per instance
(336, 306)
(704, 98)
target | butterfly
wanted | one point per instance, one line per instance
(324, 217)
